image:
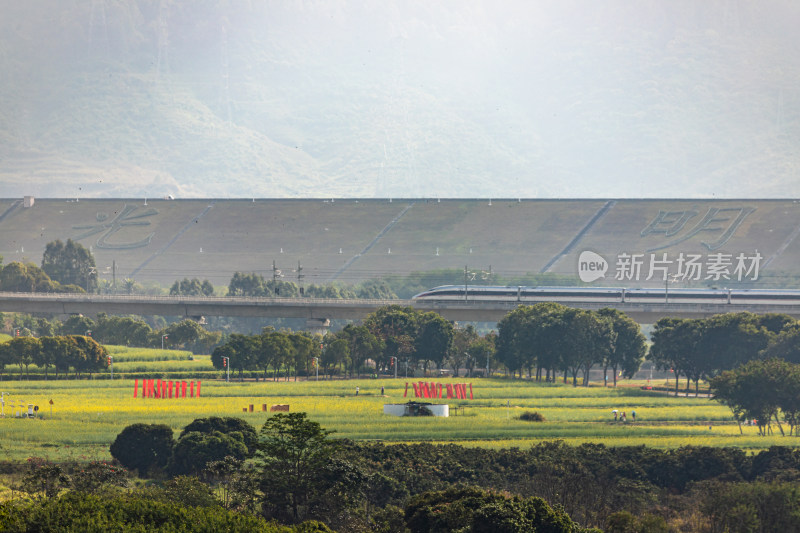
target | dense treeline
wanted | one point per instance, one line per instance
(118, 330)
(390, 336)
(551, 337)
(252, 284)
(701, 348)
(64, 353)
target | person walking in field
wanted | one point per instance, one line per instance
(633, 416)
(623, 417)
(356, 391)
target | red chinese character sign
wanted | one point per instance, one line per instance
(434, 390)
(156, 388)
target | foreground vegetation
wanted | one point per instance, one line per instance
(295, 472)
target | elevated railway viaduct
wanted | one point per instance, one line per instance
(317, 311)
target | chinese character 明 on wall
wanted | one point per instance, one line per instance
(719, 223)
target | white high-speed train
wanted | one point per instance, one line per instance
(610, 295)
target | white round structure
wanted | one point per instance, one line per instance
(416, 409)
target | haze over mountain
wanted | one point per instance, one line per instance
(400, 98)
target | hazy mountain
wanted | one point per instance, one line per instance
(399, 98)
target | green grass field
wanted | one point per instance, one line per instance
(88, 414)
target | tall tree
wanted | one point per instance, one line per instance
(70, 264)
(242, 284)
(6, 356)
(336, 353)
(433, 339)
(461, 348)
(729, 340)
(191, 287)
(674, 345)
(240, 350)
(275, 350)
(756, 390)
(93, 356)
(25, 351)
(121, 330)
(396, 327)
(294, 454)
(629, 348)
(785, 345)
(362, 344)
(303, 350)
(482, 351)
(514, 339)
(590, 341)
(184, 332)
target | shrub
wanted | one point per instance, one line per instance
(75, 511)
(98, 474)
(532, 416)
(195, 450)
(44, 479)
(143, 447)
(227, 425)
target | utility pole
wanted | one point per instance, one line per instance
(466, 282)
(92, 270)
(300, 277)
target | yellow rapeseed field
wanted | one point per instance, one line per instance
(86, 415)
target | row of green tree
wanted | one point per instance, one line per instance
(131, 331)
(277, 350)
(252, 284)
(548, 338)
(119, 330)
(63, 353)
(391, 338)
(701, 348)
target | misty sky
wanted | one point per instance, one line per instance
(402, 98)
